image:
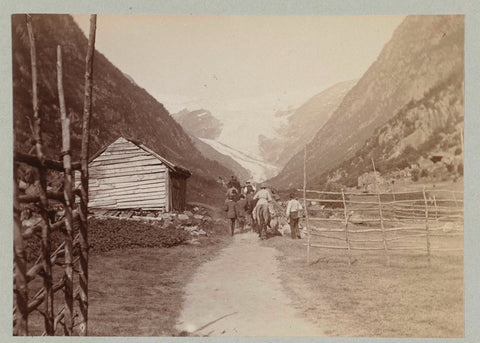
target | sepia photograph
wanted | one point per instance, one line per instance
(199, 175)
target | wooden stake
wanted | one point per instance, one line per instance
(346, 229)
(436, 208)
(87, 108)
(393, 190)
(381, 215)
(69, 201)
(37, 125)
(427, 226)
(305, 201)
(20, 269)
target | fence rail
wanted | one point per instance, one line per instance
(352, 221)
(396, 221)
(58, 211)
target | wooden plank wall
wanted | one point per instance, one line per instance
(126, 176)
(178, 189)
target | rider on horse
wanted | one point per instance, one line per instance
(261, 212)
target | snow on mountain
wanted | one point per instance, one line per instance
(260, 170)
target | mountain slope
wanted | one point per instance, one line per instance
(302, 124)
(430, 126)
(120, 107)
(423, 51)
(199, 123)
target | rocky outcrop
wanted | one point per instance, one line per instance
(199, 123)
(423, 52)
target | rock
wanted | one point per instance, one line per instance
(193, 241)
(202, 233)
(183, 217)
(198, 216)
(31, 221)
(303, 233)
(168, 224)
(188, 213)
(195, 209)
(191, 228)
(285, 229)
(22, 185)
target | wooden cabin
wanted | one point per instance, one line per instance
(128, 175)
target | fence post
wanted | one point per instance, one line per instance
(305, 201)
(68, 194)
(346, 229)
(46, 245)
(393, 190)
(426, 226)
(87, 106)
(381, 215)
(20, 271)
(436, 208)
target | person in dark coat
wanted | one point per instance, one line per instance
(232, 193)
(234, 183)
(231, 210)
(241, 208)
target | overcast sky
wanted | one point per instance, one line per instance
(241, 68)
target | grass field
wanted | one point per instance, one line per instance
(139, 291)
(408, 299)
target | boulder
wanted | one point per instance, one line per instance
(183, 217)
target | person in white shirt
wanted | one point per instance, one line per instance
(293, 209)
(249, 188)
(262, 198)
(263, 195)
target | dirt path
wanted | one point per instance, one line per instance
(239, 294)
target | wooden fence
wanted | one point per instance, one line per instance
(36, 282)
(383, 222)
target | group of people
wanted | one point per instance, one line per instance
(240, 204)
(243, 203)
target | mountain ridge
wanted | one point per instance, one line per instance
(119, 107)
(301, 124)
(423, 51)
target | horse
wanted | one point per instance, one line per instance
(264, 216)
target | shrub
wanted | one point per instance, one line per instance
(458, 151)
(415, 175)
(424, 173)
